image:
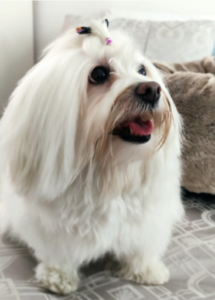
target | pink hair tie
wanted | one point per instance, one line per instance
(108, 41)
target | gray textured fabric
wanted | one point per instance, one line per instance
(190, 258)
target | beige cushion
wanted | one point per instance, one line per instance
(192, 87)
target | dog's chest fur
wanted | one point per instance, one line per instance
(111, 224)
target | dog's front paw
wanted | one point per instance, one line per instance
(57, 280)
(153, 274)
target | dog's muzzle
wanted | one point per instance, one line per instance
(149, 93)
(138, 127)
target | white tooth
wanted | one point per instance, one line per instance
(132, 133)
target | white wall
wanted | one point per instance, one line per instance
(49, 15)
(16, 45)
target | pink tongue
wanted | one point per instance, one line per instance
(141, 128)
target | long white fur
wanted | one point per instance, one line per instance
(69, 205)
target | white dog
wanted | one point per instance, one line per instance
(90, 160)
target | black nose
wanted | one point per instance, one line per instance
(149, 92)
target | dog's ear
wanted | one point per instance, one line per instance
(38, 129)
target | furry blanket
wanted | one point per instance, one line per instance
(192, 86)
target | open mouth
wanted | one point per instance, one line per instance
(136, 131)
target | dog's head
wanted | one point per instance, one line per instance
(93, 97)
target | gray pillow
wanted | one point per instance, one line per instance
(169, 41)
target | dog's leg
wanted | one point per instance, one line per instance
(141, 263)
(58, 279)
(142, 270)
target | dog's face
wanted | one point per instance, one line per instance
(84, 103)
(125, 111)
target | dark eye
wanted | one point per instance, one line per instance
(142, 71)
(99, 75)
